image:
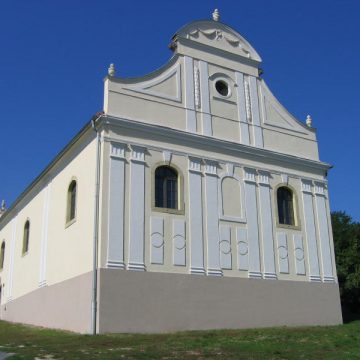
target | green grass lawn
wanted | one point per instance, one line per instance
(334, 342)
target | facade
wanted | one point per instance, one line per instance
(194, 200)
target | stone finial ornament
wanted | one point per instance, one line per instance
(216, 15)
(3, 207)
(111, 70)
(308, 121)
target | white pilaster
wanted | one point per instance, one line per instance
(115, 253)
(205, 98)
(324, 236)
(137, 209)
(189, 94)
(44, 235)
(179, 242)
(12, 256)
(157, 240)
(195, 217)
(255, 111)
(266, 220)
(283, 253)
(241, 107)
(314, 270)
(252, 220)
(212, 218)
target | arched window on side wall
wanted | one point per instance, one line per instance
(71, 201)
(166, 187)
(2, 255)
(26, 237)
(285, 203)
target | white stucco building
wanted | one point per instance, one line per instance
(193, 201)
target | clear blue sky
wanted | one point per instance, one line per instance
(54, 55)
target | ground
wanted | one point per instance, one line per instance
(331, 342)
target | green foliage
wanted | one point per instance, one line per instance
(318, 342)
(347, 252)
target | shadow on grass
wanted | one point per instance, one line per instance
(349, 315)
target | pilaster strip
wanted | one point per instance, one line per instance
(254, 98)
(12, 256)
(252, 220)
(137, 209)
(115, 251)
(205, 99)
(266, 219)
(310, 231)
(195, 217)
(189, 94)
(323, 230)
(212, 218)
(44, 235)
(241, 107)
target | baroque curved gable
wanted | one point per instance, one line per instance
(217, 35)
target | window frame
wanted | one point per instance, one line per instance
(2, 254)
(180, 190)
(69, 221)
(297, 225)
(26, 239)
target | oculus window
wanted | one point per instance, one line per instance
(222, 88)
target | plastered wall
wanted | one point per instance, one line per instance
(57, 251)
(229, 223)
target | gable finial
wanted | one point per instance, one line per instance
(308, 121)
(111, 70)
(216, 15)
(3, 207)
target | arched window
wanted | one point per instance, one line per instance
(71, 201)
(2, 255)
(26, 237)
(166, 187)
(285, 202)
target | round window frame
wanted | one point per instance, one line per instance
(218, 94)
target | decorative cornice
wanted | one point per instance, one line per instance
(193, 139)
(117, 150)
(263, 178)
(211, 167)
(137, 153)
(194, 164)
(306, 186)
(249, 175)
(319, 188)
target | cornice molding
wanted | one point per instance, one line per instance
(192, 139)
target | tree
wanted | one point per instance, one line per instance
(347, 253)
